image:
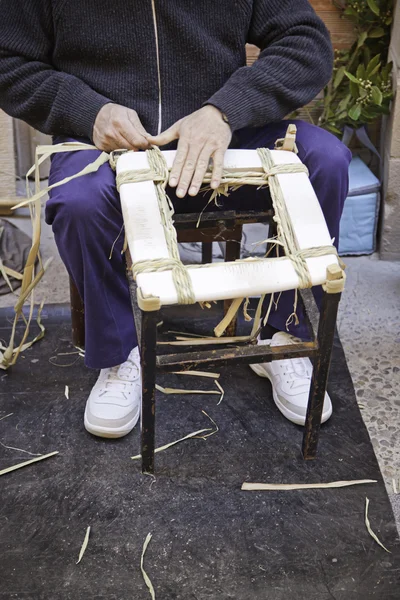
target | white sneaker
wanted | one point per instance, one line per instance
(291, 381)
(113, 407)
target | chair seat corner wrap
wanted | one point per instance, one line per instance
(158, 173)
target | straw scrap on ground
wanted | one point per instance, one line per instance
(28, 462)
(84, 545)
(259, 487)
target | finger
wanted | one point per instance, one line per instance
(201, 169)
(188, 170)
(135, 139)
(180, 158)
(115, 141)
(128, 145)
(169, 135)
(218, 167)
(137, 124)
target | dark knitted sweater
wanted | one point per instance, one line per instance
(62, 60)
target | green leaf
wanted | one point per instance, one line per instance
(339, 77)
(367, 55)
(333, 129)
(374, 71)
(362, 39)
(355, 90)
(387, 70)
(374, 7)
(355, 112)
(377, 95)
(350, 12)
(378, 32)
(361, 71)
(343, 104)
(373, 63)
(351, 77)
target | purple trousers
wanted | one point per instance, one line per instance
(86, 218)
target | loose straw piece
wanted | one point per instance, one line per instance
(198, 374)
(226, 321)
(4, 273)
(246, 315)
(84, 545)
(255, 487)
(213, 422)
(206, 341)
(25, 464)
(219, 386)
(368, 525)
(67, 392)
(186, 334)
(170, 391)
(20, 450)
(6, 416)
(209, 432)
(162, 448)
(145, 576)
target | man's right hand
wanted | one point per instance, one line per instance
(119, 128)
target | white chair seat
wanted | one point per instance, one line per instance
(146, 237)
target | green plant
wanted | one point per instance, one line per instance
(361, 88)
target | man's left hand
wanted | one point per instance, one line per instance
(202, 135)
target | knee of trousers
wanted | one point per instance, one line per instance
(330, 158)
(81, 202)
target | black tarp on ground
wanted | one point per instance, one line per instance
(210, 539)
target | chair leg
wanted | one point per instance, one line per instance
(232, 253)
(206, 253)
(326, 332)
(148, 351)
(77, 316)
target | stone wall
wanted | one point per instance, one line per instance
(390, 227)
(7, 164)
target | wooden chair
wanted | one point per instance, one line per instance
(154, 288)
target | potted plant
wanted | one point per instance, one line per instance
(360, 91)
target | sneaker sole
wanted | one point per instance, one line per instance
(291, 416)
(110, 432)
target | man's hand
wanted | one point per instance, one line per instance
(119, 128)
(202, 135)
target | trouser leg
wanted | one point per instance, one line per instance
(86, 218)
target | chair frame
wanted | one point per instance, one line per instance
(226, 226)
(321, 329)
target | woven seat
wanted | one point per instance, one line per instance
(146, 237)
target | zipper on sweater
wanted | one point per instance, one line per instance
(153, 6)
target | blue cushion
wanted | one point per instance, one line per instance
(360, 214)
(358, 224)
(362, 179)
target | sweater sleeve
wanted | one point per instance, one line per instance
(31, 89)
(294, 65)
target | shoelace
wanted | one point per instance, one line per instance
(296, 368)
(125, 371)
(299, 367)
(119, 378)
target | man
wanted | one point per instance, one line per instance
(133, 74)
